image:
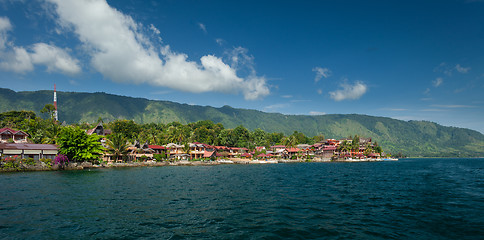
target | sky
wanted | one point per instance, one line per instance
(408, 60)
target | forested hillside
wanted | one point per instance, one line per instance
(413, 138)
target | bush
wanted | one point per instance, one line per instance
(143, 158)
(61, 159)
(29, 161)
(11, 165)
(159, 157)
(47, 161)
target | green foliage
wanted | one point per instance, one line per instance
(413, 138)
(47, 162)
(159, 157)
(79, 146)
(126, 128)
(117, 146)
(50, 110)
(14, 119)
(29, 161)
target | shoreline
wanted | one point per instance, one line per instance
(88, 165)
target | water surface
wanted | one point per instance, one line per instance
(408, 199)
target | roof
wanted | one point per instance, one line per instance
(331, 147)
(173, 145)
(156, 147)
(207, 154)
(28, 146)
(278, 146)
(14, 132)
(292, 150)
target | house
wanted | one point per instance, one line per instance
(292, 152)
(10, 135)
(277, 148)
(99, 130)
(28, 150)
(157, 149)
(235, 152)
(328, 151)
(197, 150)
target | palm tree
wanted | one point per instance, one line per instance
(344, 147)
(117, 146)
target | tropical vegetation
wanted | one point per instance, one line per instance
(163, 121)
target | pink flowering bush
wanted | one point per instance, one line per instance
(61, 159)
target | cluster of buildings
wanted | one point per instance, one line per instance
(14, 143)
(325, 150)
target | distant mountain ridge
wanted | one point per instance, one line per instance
(413, 138)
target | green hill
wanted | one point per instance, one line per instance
(413, 138)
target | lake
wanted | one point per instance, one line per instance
(406, 199)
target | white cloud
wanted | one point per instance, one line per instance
(349, 92)
(19, 60)
(203, 27)
(5, 26)
(220, 41)
(274, 107)
(438, 81)
(320, 91)
(315, 113)
(448, 70)
(320, 73)
(154, 29)
(453, 106)
(461, 69)
(54, 58)
(122, 53)
(395, 109)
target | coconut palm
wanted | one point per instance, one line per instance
(117, 146)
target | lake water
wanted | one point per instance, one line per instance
(407, 199)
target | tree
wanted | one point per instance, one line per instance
(258, 137)
(344, 147)
(117, 146)
(227, 138)
(300, 138)
(186, 148)
(290, 141)
(50, 110)
(127, 128)
(318, 138)
(275, 138)
(78, 146)
(241, 135)
(355, 144)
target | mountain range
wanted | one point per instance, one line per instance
(411, 138)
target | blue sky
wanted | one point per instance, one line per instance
(409, 60)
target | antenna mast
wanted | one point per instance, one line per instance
(55, 105)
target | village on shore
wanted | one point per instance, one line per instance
(14, 146)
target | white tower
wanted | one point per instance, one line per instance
(55, 105)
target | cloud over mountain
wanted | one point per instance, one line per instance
(21, 60)
(121, 51)
(349, 92)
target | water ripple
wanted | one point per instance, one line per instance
(408, 199)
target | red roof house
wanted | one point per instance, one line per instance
(8, 134)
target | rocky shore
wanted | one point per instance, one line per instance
(42, 166)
